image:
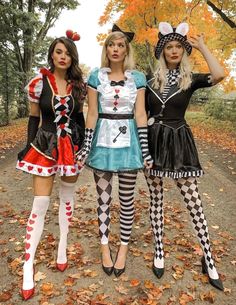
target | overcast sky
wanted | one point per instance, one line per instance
(84, 20)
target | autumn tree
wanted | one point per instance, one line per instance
(143, 17)
(23, 27)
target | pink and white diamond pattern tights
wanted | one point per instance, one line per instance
(34, 231)
(65, 214)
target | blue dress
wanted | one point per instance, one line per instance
(115, 146)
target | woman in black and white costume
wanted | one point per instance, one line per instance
(56, 95)
(171, 142)
(112, 140)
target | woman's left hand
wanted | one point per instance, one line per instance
(148, 164)
(197, 42)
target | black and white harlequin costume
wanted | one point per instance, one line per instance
(173, 150)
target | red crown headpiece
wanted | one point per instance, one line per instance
(72, 35)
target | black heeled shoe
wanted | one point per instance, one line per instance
(108, 270)
(158, 271)
(214, 282)
(117, 271)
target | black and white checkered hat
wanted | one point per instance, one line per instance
(167, 33)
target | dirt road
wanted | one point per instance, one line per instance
(84, 282)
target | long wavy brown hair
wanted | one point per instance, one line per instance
(74, 73)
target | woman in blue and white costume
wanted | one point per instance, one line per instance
(113, 143)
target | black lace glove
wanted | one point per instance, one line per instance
(33, 125)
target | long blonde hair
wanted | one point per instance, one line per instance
(185, 78)
(129, 59)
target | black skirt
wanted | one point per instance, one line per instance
(173, 151)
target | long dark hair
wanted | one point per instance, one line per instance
(74, 73)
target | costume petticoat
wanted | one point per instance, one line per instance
(60, 135)
(115, 146)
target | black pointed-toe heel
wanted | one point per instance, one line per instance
(214, 282)
(108, 270)
(158, 271)
(117, 271)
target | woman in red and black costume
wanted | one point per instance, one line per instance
(55, 133)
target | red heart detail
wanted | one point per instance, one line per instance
(28, 236)
(117, 90)
(64, 169)
(29, 229)
(73, 170)
(31, 222)
(69, 213)
(21, 164)
(27, 256)
(34, 215)
(68, 208)
(49, 170)
(40, 170)
(27, 246)
(69, 33)
(67, 203)
(30, 168)
(55, 168)
(69, 219)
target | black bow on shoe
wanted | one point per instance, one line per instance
(119, 83)
(129, 35)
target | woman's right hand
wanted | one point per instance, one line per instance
(82, 155)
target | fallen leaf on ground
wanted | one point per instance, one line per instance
(134, 283)
(208, 296)
(39, 276)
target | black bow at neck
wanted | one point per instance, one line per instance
(129, 35)
(119, 83)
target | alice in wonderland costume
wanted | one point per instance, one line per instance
(115, 146)
(61, 132)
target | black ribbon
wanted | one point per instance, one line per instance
(129, 35)
(119, 83)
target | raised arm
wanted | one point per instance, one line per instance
(217, 71)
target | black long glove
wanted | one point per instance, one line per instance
(33, 125)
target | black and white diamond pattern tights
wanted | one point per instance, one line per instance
(189, 190)
(126, 196)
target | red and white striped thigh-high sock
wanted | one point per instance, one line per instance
(65, 214)
(34, 231)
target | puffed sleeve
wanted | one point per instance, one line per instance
(34, 88)
(93, 80)
(201, 80)
(140, 79)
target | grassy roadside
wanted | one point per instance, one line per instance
(217, 132)
(13, 134)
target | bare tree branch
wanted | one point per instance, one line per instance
(222, 14)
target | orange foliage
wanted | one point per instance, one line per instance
(143, 17)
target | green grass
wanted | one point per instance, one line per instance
(197, 117)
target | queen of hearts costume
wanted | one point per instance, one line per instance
(61, 132)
